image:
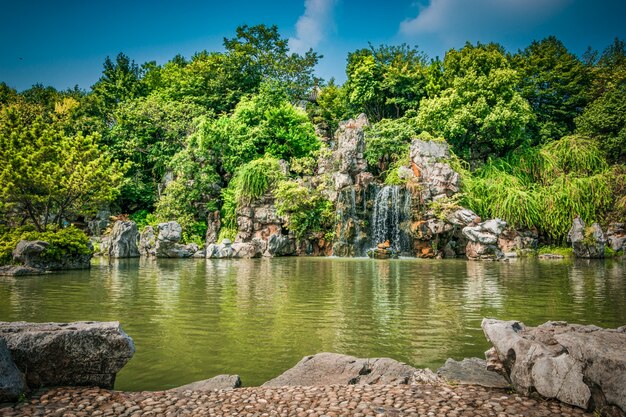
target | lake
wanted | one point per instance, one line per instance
(192, 319)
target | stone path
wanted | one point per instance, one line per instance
(334, 400)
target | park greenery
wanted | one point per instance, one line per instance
(539, 135)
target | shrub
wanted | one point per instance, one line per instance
(62, 242)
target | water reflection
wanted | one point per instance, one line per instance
(192, 319)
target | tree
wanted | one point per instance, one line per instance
(480, 113)
(120, 80)
(147, 133)
(555, 83)
(47, 176)
(386, 81)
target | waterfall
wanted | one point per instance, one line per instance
(389, 212)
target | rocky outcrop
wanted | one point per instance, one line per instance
(471, 371)
(98, 225)
(214, 224)
(147, 241)
(122, 242)
(348, 159)
(518, 242)
(57, 354)
(219, 382)
(12, 381)
(30, 254)
(436, 177)
(616, 237)
(337, 369)
(483, 240)
(166, 244)
(253, 249)
(580, 365)
(587, 242)
(280, 245)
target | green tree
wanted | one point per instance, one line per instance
(555, 83)
(47, 176)
(386, 81)
(120, 80)
(481, 113)
(148, 132)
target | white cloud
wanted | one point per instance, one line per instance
(313, 25)
(454, 20)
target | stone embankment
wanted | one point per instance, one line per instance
(418, 399)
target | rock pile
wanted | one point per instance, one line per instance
(580, 365)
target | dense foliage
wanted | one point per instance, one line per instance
(543, 131)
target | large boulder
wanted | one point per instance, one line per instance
(12, 381)
(280, 245)
(30, 253)
(147, 242)
(587, 242)
(471, 371)
(513, 242)
(337, 369)
(580, 365)
(616, 236)
(483, 240)
(428, 164)
(98, 225)
(167, 242)
(123, 240)
(79, 353)
(219, 382)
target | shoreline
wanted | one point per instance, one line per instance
(418, 399)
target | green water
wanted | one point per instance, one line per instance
(193, 319)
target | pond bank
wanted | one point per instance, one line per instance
(336, 400)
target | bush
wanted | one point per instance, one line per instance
(307, 210)
(63, 242)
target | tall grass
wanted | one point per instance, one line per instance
(544, 187)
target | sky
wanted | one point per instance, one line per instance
(64, 43)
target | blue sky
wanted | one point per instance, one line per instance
(63, 43)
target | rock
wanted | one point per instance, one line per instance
(252, 249)
(123, 240)
(616, 236)
(580, 365)
(199, 254)
(518, 241)
(147, 242)
(214, 225)
(483, 239)
(20, 270)
(472, 371)
(382, 253)
(337, 369)
(280, 245)
(550, 256)
(436, 177)
(219, 382)
(58, 354)
(99, 224)
(587, 242)
(462, 217)
(167, 245)
(30, 253)
(12, 381)
(342, 180)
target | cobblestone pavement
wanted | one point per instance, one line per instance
(334, 400)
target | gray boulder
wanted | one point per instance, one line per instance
(220, 251)
(483, 240)
(167, 245)
(428, 164)
(12, 381)
(471, 371)
(219, 382)
(580, 365)
(58, 354)
(280, 245)
(147, 242)
(30, 253)
(616, 236)
(123, 240)
(587, 242)
(337, 369)
(19, 270)
(99, 224)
